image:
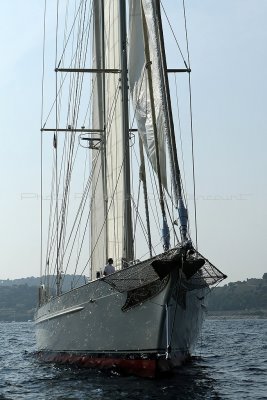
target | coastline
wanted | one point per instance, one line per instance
(237, 314)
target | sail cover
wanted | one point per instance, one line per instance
(139, 84)
(107, 221)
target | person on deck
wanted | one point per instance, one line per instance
(109, 268)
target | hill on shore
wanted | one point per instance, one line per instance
(18, 298)
(248, 297)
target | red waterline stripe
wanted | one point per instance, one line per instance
(143, 368)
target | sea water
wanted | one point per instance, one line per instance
(230, 362)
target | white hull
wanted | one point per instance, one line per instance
(88, 323)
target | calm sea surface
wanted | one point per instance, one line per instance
(230, 363)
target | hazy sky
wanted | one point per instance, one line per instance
(228, 46)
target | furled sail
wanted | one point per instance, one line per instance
(139, 84)
(107, 222)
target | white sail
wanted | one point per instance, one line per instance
(139, 85)
(112, 222)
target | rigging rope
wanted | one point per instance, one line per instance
(191, 127)
(110, 117)
(66, 43)
(83, 186)
(96, 158)
(56, 216)
(153, 186)
(144, 230)
(60, 88)
(69, 159)
(179, 48)
(75, 113)
(41, 145)
(57, 251)
(108, 130)
(137, 205)
(180, 135)
(71, 164)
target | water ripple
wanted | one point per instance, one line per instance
(230, 363)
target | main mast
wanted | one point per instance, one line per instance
(128, 231)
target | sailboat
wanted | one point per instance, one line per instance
(143, 319)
